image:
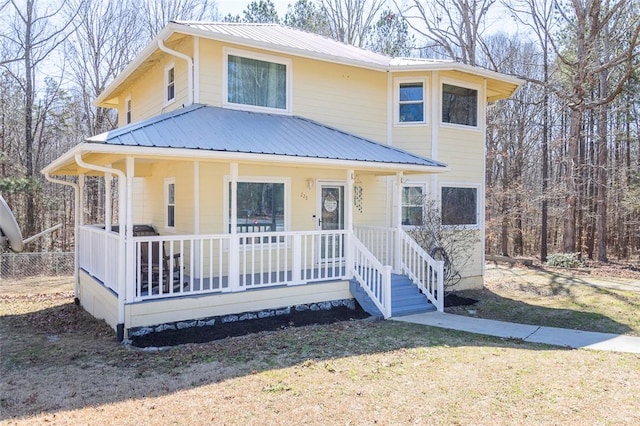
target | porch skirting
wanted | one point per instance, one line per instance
(102, 303)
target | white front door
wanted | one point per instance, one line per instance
(331, 212)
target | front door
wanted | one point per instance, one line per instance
(331, 214)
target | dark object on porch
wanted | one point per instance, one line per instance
(452, 299)
(150, 262)
(222, 330)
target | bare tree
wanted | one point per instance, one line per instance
(350, 20)
(32, 36)
(156, 14)
(455, 27)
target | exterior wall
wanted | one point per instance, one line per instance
(97, 299)
(147, 92)
(187, 308)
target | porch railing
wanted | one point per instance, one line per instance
(99, 254)
(195, 264)
(373, 276)
(412, 260)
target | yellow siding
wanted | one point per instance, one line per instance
(185, 308)
(98, 300)
(463, 152)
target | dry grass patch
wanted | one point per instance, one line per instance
(557, 299)
(61, 366)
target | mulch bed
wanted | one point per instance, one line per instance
(241, 328)
(453, 299)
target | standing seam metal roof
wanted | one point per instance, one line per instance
(210, 128)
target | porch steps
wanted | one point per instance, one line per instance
(406, 299)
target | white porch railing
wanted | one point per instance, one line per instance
(196, 264)
(380, 241)
(373, 276)
(425, 272)
(99, 254)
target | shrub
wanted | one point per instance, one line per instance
(564, 260)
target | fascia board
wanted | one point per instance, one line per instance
(184, 153)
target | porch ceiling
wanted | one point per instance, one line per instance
(208, 133)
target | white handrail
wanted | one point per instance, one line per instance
(373, 276)
(425, 272)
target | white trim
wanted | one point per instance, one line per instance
(226, 51)
(397, 81)
(479, 95)
(169, 181)
(255, 179)
(165, 95)
(479, 201)
(173, 153)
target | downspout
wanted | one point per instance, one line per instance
(76, 225)
(189, 61)
(122, 275)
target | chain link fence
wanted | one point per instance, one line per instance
(23, 265)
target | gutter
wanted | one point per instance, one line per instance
(189, 61)
(76, 224)
(122, 273)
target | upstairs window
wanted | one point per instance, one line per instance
(127, 108)
(459, 105)
(170, 83)
(411, 97)
(258, 82)
(459, 206)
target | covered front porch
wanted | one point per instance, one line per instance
(199, 230)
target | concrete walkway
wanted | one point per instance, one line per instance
(528, 333)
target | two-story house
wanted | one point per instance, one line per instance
(261, 168)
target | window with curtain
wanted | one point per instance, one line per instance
(256, 83)
(459, 105)
(170, 202)
(412, 205)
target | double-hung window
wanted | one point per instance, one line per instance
(459, 205)
(170, 203)
(410, 101)
(413, 205)
(257, 82)
(459, 105)
(170, 83)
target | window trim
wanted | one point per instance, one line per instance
(226, 51)
(396, 101)
(167, 182)
(465, 85)
(425, 195)
(257, 179)
(479, 202)
(170, 66)
(127, 110)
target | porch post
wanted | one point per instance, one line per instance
(81, 203)
(398, 224)
(107, 200)
(196, 256)
(129, 243)
(348, 225)
(234, 246)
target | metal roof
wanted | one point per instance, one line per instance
(286, 38)
(201, 127)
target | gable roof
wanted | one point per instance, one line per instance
(280, 39)
(206, 128)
